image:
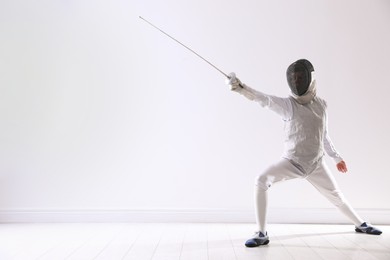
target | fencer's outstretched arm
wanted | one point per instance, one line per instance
(281, 106)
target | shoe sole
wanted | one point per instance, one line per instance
(263, 244)
(359, 231)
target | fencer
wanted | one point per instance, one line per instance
(306, 141)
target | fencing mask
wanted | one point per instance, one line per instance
(299, 76)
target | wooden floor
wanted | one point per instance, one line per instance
(187, 241)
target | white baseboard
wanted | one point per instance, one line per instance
(275, 215)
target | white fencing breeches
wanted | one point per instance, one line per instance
(321, 178)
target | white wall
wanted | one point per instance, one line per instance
(100, 112)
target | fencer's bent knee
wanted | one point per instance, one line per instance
(269, 176)
(280, 171)
(262, 182)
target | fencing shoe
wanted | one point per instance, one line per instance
(258, 239)
(367, 228)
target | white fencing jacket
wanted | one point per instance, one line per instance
(306, 128)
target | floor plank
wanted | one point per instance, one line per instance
(171, 243)
(122, 243)
(195, 245)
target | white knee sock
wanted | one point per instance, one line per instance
(261, 200)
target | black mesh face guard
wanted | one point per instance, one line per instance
(299, 76)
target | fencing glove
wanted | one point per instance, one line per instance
(233, 82)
